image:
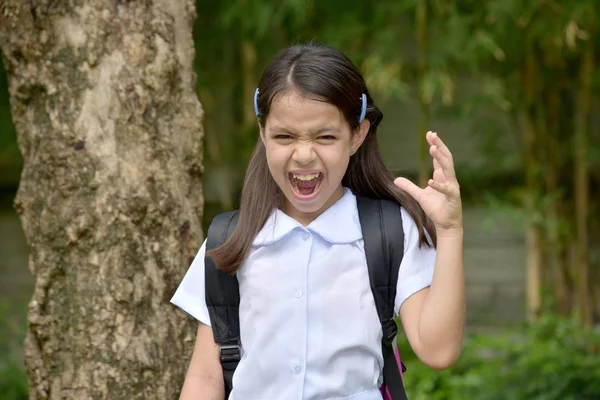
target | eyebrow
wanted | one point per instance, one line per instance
(327, 129)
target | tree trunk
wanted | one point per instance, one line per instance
(247, 66)
(547, 205)
(422, 42)
(532, 167)
(582, 123)
(110, 198)
(555, 216)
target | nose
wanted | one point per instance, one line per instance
(304, 153)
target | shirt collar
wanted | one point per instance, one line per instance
(339, 224)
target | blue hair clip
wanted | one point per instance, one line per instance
(256, 111)
(363, 109)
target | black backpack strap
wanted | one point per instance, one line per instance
(223, 299)
(383, 235)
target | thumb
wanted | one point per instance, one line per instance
(413, 190)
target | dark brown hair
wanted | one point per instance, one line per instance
(326, 74)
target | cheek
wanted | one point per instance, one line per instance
(337, 161)
(276, 159)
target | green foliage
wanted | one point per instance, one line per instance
(554, 359)
(8, 143)
(13, 381)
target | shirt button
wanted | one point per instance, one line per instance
(299, 293)
(297, 369)
(306, 236)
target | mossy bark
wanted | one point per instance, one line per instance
(110, 198)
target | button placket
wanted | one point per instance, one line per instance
(299, 295)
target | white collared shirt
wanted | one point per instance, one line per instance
(308, 323)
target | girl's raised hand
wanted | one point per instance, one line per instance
(441, 198)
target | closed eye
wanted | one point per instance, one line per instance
(282, 137)
(327, 137)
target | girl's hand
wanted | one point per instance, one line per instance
(441, 198)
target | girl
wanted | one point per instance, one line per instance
(309, 327)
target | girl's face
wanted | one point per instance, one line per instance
(308, 145)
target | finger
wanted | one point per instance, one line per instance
(436, 164)
(438, 175)
(449, 189)
(435, 140)
(445, 163)
(413, 190)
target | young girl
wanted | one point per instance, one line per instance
(308, 323)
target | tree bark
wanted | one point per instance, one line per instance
(247, 66)
(581, 175)
(556, 210)
(531, 161)
(110, 198)
(422, 30)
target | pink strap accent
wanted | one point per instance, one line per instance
(385, 392)
(397, 354)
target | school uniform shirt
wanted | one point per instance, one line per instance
(308, 323)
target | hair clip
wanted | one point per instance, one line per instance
(363, 109)
(256, 111)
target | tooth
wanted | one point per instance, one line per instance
(307, 177)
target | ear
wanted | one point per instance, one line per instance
(359, 136)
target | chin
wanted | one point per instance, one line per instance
(314, 206)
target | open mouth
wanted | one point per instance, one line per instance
(306, 185)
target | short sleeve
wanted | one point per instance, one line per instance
(190, 295)
(418, 263)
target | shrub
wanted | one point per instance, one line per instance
(13, 380)
(553, 359)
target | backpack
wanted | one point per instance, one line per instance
(381, 225)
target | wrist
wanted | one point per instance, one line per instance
(449, 232)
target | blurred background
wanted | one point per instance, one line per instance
(511, 86)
